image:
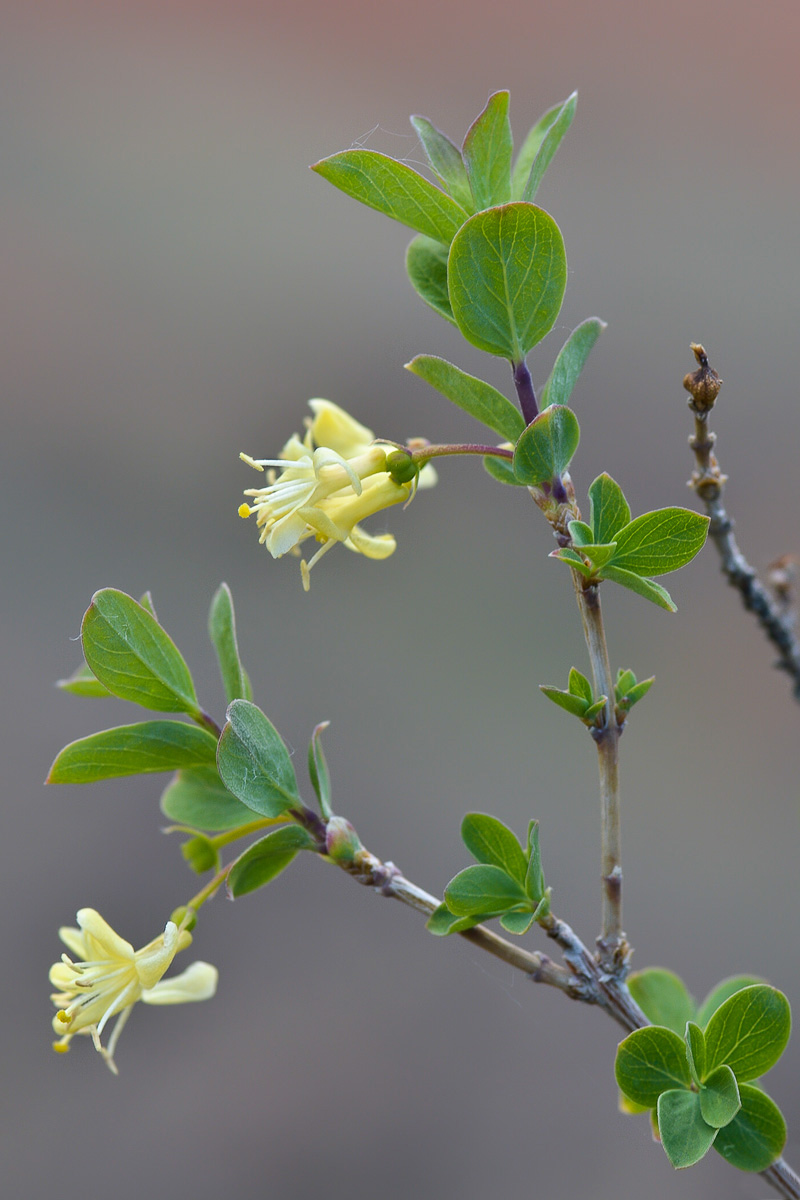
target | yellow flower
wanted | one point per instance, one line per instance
(108, 976)
(330, 481)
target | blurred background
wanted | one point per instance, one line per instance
(176, 286)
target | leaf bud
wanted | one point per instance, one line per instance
(342, 843)
(704, 384)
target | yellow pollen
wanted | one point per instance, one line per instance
(244, 510)
(61, 1047)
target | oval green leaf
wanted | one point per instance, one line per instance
(131, 654)
(266, 858)
(636, 583)
(749, 1032)
(197, 797)
(490, 841)
(651, 1061)
(506, 276)
(133, 750)
(254, 763)
(83, 682)
(570, 362)
(426, 266)
(757, 1134)
(222, 631)
(609, 509)
(529, 149)
(487, 153)
(659, 542)
(483, 889)
(722, 992)
(442, 922)
(662, 997)
(394, 189)
(685, 1136)
(719, 1098)
(475, 397)
(546, 447)
(445, 161)
(501, 469)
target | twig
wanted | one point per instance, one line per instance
(708, 482)
(613, 949)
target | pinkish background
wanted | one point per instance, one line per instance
(176, 285)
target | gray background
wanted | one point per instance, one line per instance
(176, 285)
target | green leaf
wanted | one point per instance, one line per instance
(594, 709)
(749, 1031)
(517, 922)
(146, 601)
(722, 992)
(222, 631)
(133, 750)
(534, 876)
(662, 997)
(487, 153)
(506, 276)
(442, 922)
(685, 1136)
(490, 841)
(529, 149)
(84, 682)
(719, 1098)
(581, 533)
(575, 705)
(599, 555)
(635, 583)
(394, 189)
(651, 1061)
(572, 559)
(318, 770)
(636, 693)
(131, 654)
(550, 143)
(267, 857)
(610, 511)
(501, 469)
(579, 685)
(254, 763)
(757, 1134)
(197, 797)
(625, 680)
(546, 447)
(445, 160)
(483, 889)
(695, 1051)
(426, 266)
(570, 362)
(475, 397)
(659, 542)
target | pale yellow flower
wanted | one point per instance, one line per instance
(107, 977)
(330, 481)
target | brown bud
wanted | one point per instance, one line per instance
(704, 384)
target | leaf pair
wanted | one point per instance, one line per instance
(129, 655)
(579, 699)
(477, 177)
(612, 546)
(508, 881)
(700, 1084)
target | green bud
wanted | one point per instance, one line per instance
(200, 855)
(342, 843)
(401, 466)
(184, 917)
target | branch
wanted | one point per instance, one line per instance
(708, 482)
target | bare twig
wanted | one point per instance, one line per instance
(708, 482)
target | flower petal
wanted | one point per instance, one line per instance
(197, 982)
